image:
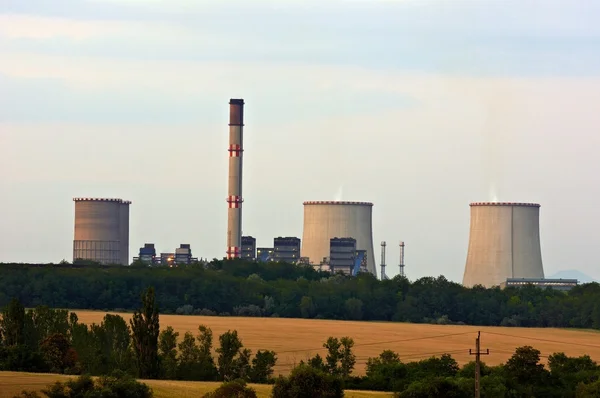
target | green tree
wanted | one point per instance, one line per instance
(307, 382)
(167, 351)
(340, 359)
(145, 330)
(353, 308)
(307, 308)
(229, 349)
(262, 366)
(12, 324)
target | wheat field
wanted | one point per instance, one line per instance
(298, 339)
(12, 383)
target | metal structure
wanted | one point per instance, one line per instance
(401, 264)
(504, 242)
(234, 198)
(382, 265)
(324, 220)
(101, 230)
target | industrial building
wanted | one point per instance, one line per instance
(557, 284)
(234, 198)
(324, 220)
(342, 255)
(101, 230)
(248, 248)
(147, 254)
(504, 243)
(181, 255)
(264, 254)
(286, 249)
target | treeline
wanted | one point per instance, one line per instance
(52, 340)
(240, 288)
(522, 376)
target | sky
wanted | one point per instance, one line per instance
(420, 107)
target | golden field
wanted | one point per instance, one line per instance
(12, 383)
(298, 339)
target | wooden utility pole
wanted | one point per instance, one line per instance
(478, 353)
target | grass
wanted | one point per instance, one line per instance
(12, 383)
(298, 339)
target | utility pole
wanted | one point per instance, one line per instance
(478, 354)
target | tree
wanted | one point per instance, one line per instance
(167, 351)
(58, 353)
(340, 359)
(307, 308)
(12, 324)
(353, 308)
(145, 329)
(307, 382)
(262, 366)
(230, 346)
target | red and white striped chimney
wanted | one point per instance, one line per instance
(234, 198)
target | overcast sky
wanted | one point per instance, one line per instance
(420, 107)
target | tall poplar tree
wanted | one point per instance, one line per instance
(144, 332)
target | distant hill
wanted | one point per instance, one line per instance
(573, 274)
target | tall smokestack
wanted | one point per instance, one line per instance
(234, 198)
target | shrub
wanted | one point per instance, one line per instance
(232, 389)
(307, 382)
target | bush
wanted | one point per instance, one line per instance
(118, 384)
(232, 389)
(307, 382)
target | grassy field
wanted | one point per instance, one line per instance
(12, 383)
(298, 339)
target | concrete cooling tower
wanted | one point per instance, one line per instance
(101, 230)
(504, 242)
(326, 220)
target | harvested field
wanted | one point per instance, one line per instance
(298, 339)
(12, 383)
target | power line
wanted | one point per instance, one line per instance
(379, 342)
(545, 340)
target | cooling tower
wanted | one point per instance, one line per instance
(504, 242)
(124, 231)
(326, 220)
(234, 198)
(101, 230)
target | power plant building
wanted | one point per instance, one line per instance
(504, 244)
(248, 248)
(264, 254)
(101, 230)
(342, 255)
(147, 254)
(286, 250)
(324, 220)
